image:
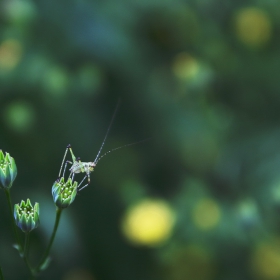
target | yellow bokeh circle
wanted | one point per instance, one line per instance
(10, 54)
(253, 27)
(150, 222)
(185, 66)
(206, 214)
(266, 261)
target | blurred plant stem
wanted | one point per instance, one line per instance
(26, 244)
(1, 274)
(46, 254)
(18, 243)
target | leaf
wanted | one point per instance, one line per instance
(45, 264)
(19, 249)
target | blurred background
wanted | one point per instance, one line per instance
(201, 199)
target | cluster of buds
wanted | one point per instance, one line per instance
(64, 193)
(26, 216)
(8, 170)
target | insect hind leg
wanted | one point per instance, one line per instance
(79, 186)
(63, 160)
(65, 166)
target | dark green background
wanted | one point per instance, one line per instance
(215, 134)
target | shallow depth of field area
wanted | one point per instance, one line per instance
(199, 200)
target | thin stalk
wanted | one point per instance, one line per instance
(25, 254)
(26, 245)
(32, 274)
(8, 196)
(1, 274)
(46, 254)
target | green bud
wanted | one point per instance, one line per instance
(26, 216)
(64, 193)
(8, 170)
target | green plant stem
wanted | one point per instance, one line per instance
(32, 273)
(26, 245)
(46, 254)
(8, 196)
(25, 254)
(1, 274)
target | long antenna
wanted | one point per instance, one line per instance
(108, 130)
(127, 145)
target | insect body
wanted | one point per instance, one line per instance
(81, 167)
(77, 167)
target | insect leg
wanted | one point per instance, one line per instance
(67, 149)
(88, 176)
(68, 161)
(72, 154)
(83, 187)
(81, 184)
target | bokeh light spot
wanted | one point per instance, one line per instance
(78, 274)
(191, 262)
(149, 222)
(247, 213)
(253, 27)
(90, 78)
(56, 81)
(19, 116)
(10, 54)
(19, 12)
(266, 261)
(206, 214)
(201, 149)
(185, 66)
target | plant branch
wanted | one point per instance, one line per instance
(1, 274)
(46, 254)
(26, 245)
(16, 235)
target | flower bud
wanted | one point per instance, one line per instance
(26, 216)
(64, 193)
(8, 170)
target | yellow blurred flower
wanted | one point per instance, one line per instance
(206, 214)
(185, 66)
(10, 54)
(253, 27)
(266, 261)
(149, 222)
(77, 273)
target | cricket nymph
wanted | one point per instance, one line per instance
(77, 166)
(84, 167)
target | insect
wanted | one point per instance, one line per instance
(87, 167)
